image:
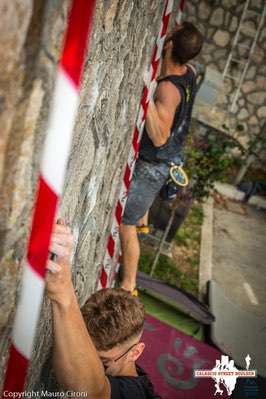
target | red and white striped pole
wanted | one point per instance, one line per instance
(51, 180)
(113, 239)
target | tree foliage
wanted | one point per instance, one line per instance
(208, 159)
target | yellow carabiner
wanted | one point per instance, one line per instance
(180, 170)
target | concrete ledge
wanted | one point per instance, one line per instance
(233, 193)
(205, 267)
(229, 191)
(258, 201)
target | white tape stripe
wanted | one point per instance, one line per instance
(27, 315)
(169, 7)
(99, 286)
(150, 73)
(124, 194)
(250, 293)
(108, 265)
(59, 132)
(152, 89)
(179, 18)
(160, 44)
(130, 159)
(141, 128)
(160, 31)
(140, 116)
(107, 259)
(115, 229)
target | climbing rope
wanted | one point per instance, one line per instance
(50, 186)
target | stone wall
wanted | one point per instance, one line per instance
(31, 35)
(219, 21)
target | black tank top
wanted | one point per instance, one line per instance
(171, 151)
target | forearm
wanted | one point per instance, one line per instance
(153, 126)
(75, 359)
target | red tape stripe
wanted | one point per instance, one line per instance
(42, 226)
(103, 278)
(111, 246)
(16, 371)
(165, 24)
(182, 5)
(136, 142)
(79, 23)
(118, 213)
(154, 67)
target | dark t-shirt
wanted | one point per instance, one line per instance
(127, 387)
(172, 150)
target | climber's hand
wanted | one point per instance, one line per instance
(58, 277)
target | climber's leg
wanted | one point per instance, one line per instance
(130, 256)
(147, 181)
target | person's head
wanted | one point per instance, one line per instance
(115, 321)
(185, 43)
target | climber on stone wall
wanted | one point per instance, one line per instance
(165, 130)
(94, 352)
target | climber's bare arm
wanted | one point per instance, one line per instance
(161, 113)
(76, 362)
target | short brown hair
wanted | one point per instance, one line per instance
(187, 43)
(113, 316)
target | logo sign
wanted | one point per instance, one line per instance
(170, 359)
(225, 374)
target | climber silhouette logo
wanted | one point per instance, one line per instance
(225, 374)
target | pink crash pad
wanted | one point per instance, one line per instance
(170, 358)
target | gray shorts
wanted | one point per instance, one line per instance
(147, 181)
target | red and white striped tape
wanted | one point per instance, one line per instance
(106, 275)
(51, 180)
